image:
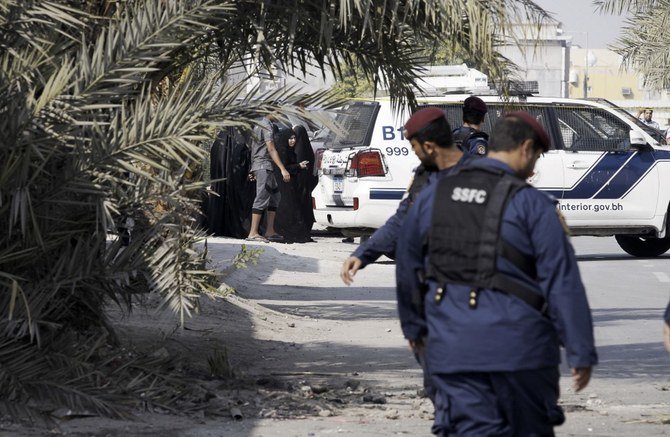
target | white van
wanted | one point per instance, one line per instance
(606, 168)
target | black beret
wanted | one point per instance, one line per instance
(422, 118)
(534, 124)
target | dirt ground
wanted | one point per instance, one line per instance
(309, 356)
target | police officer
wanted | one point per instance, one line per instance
(434, 147)
(470, 137)
(502, 291)
(429, 134)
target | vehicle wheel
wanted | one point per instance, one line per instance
(643, 247)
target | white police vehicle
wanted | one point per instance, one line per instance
(610, 173)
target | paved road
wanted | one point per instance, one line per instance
(630, 386)
(628, 395)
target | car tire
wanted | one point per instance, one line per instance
(643, 247)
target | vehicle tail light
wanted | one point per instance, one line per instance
(355, 203)
(313, 203)
(368, 163)
(319, 160)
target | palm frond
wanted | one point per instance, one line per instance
(644, 42)
(105, 108)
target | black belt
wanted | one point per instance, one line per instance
(507, 285)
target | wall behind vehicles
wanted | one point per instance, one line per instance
(608, 80)
(606, 77)
(548, 64)
(548, 56)
(313, 80)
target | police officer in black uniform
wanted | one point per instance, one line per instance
(489, 258)
(470, 137)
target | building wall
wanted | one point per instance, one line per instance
(606, 79)
(545, 63)
(548, 57)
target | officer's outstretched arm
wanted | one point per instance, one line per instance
(666, 328)
(383, 240)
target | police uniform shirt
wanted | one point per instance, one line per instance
(475, 146)
(502, 333)
(383, 241)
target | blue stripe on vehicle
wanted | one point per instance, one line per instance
(596, 178)
(643, 176)
(557, 192)
(629, 175)
(386, 194)
(588, 171)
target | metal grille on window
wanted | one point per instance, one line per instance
(591, 129)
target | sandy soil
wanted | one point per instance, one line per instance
(309, 355)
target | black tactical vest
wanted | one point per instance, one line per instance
(421, 175)
(464, 238)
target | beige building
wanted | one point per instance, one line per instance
(608, 80)
(606, 77)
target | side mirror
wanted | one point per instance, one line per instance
(637, 139)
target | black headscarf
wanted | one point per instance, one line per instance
(294, 217)
(304, 152)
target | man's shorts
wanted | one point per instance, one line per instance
(267, 192)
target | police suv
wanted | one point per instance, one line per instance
(609, 172)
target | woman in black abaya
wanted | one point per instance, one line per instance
(229, 212)
(288, 220)
(306, 180)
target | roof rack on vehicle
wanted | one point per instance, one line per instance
(520, 88)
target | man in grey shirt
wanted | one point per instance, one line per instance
(263, 154)
(644, 115)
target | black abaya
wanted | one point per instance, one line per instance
(228, 214)
(289, 220)
(307, 180)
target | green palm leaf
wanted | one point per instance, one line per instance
(105, 111)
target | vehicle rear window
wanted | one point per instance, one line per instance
(356, 121)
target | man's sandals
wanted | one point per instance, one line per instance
(257, 239)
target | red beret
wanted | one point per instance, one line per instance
(476, 104)
(534, 124)
(422, 118)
